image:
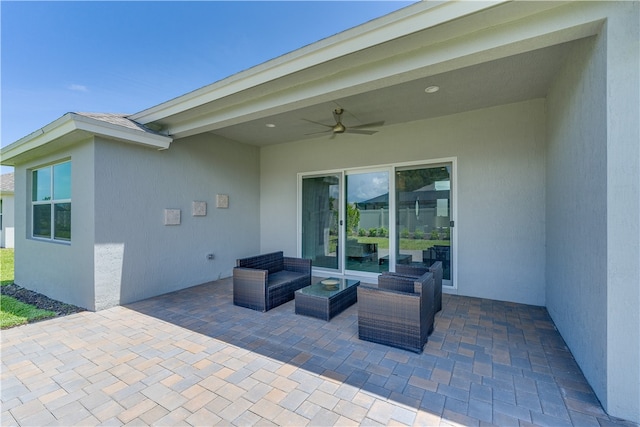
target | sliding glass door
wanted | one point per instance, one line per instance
(367, 213)
(364, 222)
(423, 216)
(320, 220)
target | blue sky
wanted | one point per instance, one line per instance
(124, 57)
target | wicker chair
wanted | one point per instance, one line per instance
(418, 270)
(398, 313)
(266, 281)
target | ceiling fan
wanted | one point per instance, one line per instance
(338, 127)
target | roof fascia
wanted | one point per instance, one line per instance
(121, 133)
(513, 37)
(403, 22)
(74, 127)
(51, 132)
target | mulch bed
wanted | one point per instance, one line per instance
(38, 300)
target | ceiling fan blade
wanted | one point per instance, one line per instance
(361, 131)
(318, 123)
(340, 128)
(368, 125)
(316, 133)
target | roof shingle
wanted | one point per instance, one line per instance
(117, 119)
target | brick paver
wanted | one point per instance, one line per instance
(193, 358)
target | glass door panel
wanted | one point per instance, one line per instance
(423, 216)
(320, 217)
(367, 220)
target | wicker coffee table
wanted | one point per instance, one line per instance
(326, 298)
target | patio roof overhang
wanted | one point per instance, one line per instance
(480, 54)
(75, 127)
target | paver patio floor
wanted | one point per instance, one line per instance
(193, 358)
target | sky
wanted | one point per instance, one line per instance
(124, 57)
(366, 186)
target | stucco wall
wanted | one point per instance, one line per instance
(500, 187)
(136, 255)
(63, 271)
(623, 214)
(593, 208)
(577, 208)
(7, 234)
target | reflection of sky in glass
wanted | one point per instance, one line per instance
(443, 185)
(365, 186)
(334, 191)
(42, 184)
(62, 181)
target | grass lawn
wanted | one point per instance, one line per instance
(405, 244)
(6, 266)
(12, 311)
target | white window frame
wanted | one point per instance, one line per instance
(51, 202)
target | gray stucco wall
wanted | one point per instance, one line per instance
(500, 190)
(8, 220)
(136, 255)
(593, 207)
(59, 270)
(577, 208)
(623, 214)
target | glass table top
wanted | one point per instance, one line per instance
(329, 287)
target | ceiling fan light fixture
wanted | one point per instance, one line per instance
(339, 128)
(432, 89)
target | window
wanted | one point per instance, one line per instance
(51, 202)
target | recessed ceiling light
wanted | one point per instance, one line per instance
(270, 125)
(432, 89)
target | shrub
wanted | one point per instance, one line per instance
(404, 233)
(434, 235)
(418, 234)
(373, 232)
(362, 232)
(383, 232)
(353, 217)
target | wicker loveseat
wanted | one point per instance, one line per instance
(263, 282)
(417, 271)
(398, 313)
